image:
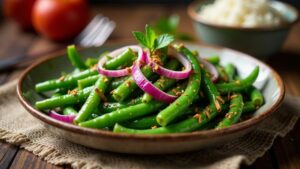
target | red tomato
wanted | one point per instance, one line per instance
(60, 20)
(19, 11)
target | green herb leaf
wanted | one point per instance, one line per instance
(150, 36)
(141, 38)
(163, 41)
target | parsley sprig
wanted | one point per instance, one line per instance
(151, 40)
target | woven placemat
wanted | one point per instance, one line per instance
(20, 128)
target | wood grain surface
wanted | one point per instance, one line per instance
(285, 152)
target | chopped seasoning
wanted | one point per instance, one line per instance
(232, 105)
(128, 83)
(178, 93)
(94, 67)
(219, 98)
(233, 96)
(62, 78)
(105, 104)
(155, 68)
(181, 45)
(228, 116)
(73, 92)
(238, 82)
(156, 59)
(217, 105)
(101, 95)
(207, 114)
(198, 117)
(129, 70)
(105, 79)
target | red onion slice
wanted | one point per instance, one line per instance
(63, 118)
(146, 85)
(171, 73)
(211, 68)
(115, 53)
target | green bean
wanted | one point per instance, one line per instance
(239, 85)
(126, 58)
(215, 60)
(127, 113)
(121, 115)
(188, 125)
(256, 96)
(64, 82)
(109, 107)
(143, 123)
(69, 111)
(91, 61)
(117, 82)
(93, 100)
(112, 106)
(185, 100)
(56, 94)
(125, 89)
(211, 92)
(212, 124)
(150, 121)
(163, 83)
(91, 80)
(235, 111)
(231, 71)
(75, 58)
(64, 100)
(222, 73)
(249, 107)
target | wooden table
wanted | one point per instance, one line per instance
(285, 152)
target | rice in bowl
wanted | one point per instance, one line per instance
(242, 13)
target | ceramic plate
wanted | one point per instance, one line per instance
(52, 66)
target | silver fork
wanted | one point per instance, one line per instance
(94, 34)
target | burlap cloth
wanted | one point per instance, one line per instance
(20, 128)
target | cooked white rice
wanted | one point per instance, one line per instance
(243, 13)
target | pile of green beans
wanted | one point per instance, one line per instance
(117, 104)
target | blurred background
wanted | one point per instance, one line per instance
(51, 26)
(294, 2)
